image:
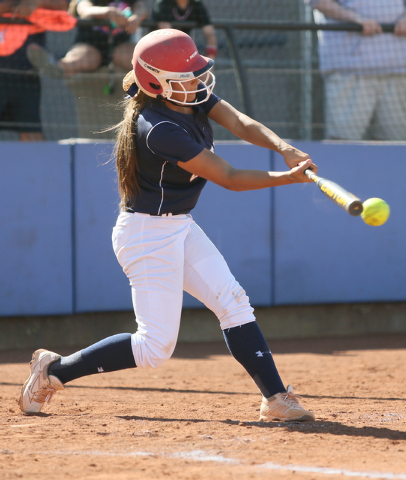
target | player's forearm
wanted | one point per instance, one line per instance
(334, 10)
(244, 180)
(210, 166)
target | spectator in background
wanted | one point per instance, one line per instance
(20, 90)
(95, 45)
(364, 73)
(167, 11)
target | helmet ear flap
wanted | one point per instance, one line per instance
(147, 82)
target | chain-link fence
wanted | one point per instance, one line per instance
(303, 74)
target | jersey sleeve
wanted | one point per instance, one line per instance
(172, 143)
(211, 101)
(207, 106)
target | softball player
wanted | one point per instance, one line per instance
(165, 155)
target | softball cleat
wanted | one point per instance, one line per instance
(284, 407)
(39, 387)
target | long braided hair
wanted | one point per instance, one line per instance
(126, 150)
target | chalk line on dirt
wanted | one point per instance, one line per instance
(202, 456)
(333, 471)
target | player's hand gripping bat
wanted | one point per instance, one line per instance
(346, 200)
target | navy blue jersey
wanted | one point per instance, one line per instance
(164, 139)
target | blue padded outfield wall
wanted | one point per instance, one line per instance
(35, 222)
(288, 245)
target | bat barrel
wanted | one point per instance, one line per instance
(355, 207)
(346, 200)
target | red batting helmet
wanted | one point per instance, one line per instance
(165, 56)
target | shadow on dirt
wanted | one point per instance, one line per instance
(318, 427)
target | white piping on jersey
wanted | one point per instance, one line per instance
(166, 161)
(165, 121)
(162, 190)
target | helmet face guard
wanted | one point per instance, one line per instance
(166, 79)
(165, 57)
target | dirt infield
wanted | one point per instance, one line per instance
(196, 417)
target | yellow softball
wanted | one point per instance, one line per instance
(376, 212)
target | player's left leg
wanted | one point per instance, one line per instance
(50, 371)
(150, 250)
(208, 278)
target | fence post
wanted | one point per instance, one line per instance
(239, 70)
(306, 116)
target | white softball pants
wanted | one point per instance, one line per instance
(162, 256)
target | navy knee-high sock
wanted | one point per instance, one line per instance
(108, 355)
(248, 346)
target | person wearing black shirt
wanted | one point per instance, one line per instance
(167, 11)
